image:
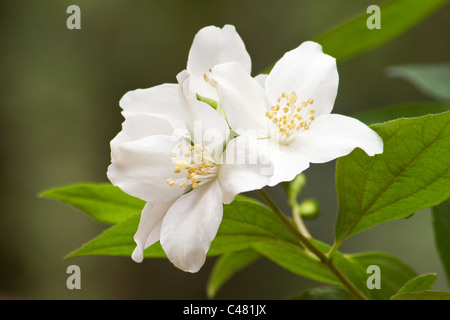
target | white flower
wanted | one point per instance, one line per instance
(151, 156)
(211, 46)
(184, 179)
(290, 110)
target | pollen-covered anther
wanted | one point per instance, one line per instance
(291, 121)
(291, 98)
(200, 168)
(211, 81)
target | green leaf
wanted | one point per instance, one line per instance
(430, 79)
(246, 224)
(324, 293)
(411, 174)
(226, 266)
(116, 241)
(394, 272)
(295, 261)
(441, 225)
(103, 202)
(406, 110)
(397, 16)
(420, 283)
(423, 295)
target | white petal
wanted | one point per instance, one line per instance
(142, 167)
(245, 167)
(190, 225)
(333, 136)
(243, 99)
(205, 124)
(149, 227)
(162, 101)
(288, 162)
(309, 73)
(261, 79)
(212, 46)
(138, 126)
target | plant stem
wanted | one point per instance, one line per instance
(299, 221)
(333, 249)
(312, 248)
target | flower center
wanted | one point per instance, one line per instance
(196, 164)
(289, 117)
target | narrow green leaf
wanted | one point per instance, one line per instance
(411, 174)
(406, 110)
(441, 225)
(103, 202)
(394, 272)
(397, 16)
(420, 283)
(227, 266)
(423, 295)
(431, 79)
(324, 293)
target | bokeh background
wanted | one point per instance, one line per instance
(59, 109)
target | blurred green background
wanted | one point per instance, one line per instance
(59, 109)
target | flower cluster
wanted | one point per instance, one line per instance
(190, 147)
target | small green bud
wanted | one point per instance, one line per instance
(309, 208)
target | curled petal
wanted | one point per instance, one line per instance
(190, 225)
(149, 227)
